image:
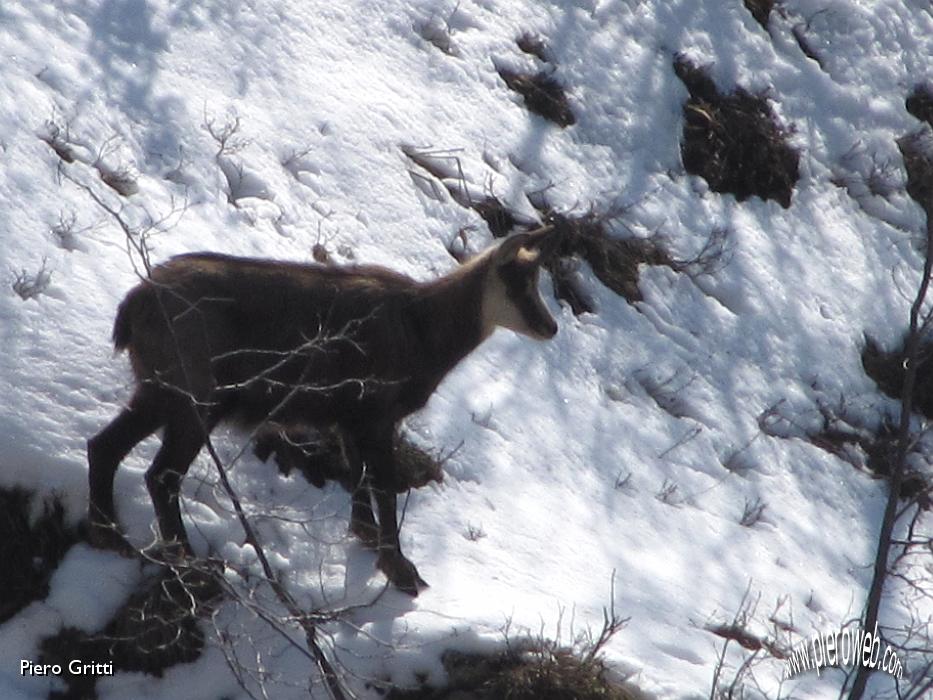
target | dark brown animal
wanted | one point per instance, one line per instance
(216, 338)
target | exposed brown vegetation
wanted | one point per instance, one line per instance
(917, 151)
(533, 45)
(734, 140)
(761, 10)
(887, 370)
(920, 102)
(156, 629)
(614, 261)
(30, 549)
(872, 451)
(747, 640)
(57, 139)
(534, 671)
(320, 456)
(496, 215)
(542, 93)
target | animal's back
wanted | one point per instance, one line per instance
(251, 292)
(232, 320)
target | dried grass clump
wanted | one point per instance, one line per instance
(321, 456)
(539, 670)
(614, 261)
(542, 93)
(734, 140)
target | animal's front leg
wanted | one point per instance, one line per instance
(395, 565)
(379, 457)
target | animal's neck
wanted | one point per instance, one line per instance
(450, 315)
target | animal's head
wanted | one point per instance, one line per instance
(511, 298)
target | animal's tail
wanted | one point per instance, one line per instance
(123, 325)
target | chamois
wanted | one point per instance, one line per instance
(214, 338)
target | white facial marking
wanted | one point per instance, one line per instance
(498, 311)
(527, 256)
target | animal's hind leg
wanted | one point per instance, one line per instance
(105, 451)
(184, 436)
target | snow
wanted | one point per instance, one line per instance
(322, 99)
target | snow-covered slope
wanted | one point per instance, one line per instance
(265, 127)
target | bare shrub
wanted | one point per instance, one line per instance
(752, 512)
(533, 667)
(445, 166)
(58, 139)
(157, 628)
(669, 493)
(737, 682)
(30, 285)
(616, 261)
(122, 177)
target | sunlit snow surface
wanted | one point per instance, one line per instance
(326, 94)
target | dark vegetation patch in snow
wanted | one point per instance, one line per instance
(734, 141)
(535, 671)
(543, 94)
(320, 456)
(917, 151)
(761, 10)
(615, 261)
(534, 45)
(30, 548)
(587, 237)
(157, 628)
(886, 369)
(870, 450)
(920, 102)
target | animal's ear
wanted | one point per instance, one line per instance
(531, 248)
(510, 248)
(543, 241)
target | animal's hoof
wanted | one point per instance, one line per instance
(106, 536)
(401, 573)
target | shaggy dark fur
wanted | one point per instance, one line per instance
(214, 338)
